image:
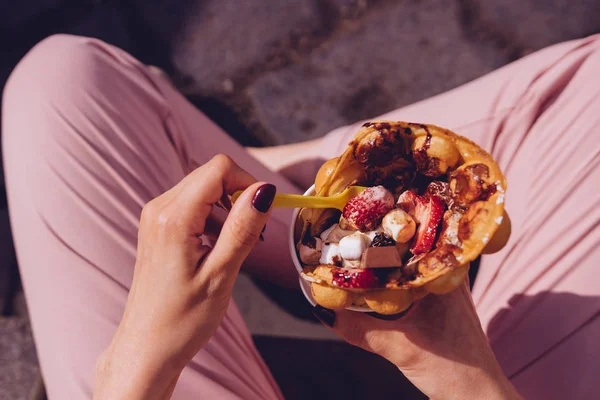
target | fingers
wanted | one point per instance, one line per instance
(205, 187)
(353, 327)
(240, 232)
(350, 326)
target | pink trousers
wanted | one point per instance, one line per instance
(90, 135)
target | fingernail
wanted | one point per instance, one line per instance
(325, 315)
(264, 197)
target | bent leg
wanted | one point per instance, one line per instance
(90, 136)
(538, 117)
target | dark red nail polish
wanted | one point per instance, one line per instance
(325, 315)
(263, 198)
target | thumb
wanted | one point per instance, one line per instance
(241, 231)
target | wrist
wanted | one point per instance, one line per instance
(126, 371)
(477, 383)
(448, 380)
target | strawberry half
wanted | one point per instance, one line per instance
(429, 218)
(412, 203)
(365, 211)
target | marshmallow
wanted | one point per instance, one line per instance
(327, 232)
(330, 254)
(398, 225)
(372, 234)
(352, 246)
(310, 255)
(334, 233)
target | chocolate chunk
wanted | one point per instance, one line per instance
(381, 257)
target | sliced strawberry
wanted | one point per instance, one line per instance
(428, 217)
(355, 278)
(365, 211)
(411, 203)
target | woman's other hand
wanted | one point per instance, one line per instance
(181, 288)
(438, 345)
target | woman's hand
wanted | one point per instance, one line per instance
(181, 288)
(438, 345)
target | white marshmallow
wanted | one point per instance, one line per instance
(330, 254)
(326, 233)
(398, 225)
(353, 246)
(336, 234)
(372, 234)
(309, 255)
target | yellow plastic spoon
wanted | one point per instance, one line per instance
(283, 200)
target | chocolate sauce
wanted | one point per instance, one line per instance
(395, 181)
(440, 189)
(409, 272)
(307, 239)
(421, 183)
(377, 125)
(337, 260)
(464, 229)
(382, 148)
(488, 192)
(462, 183)
(480, 172)
(426, 164)
(427, 143)
(471, 184)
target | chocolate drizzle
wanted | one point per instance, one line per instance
(427, 165)
(488, 192)
(381, 148)
(440, 189)
(307, 239)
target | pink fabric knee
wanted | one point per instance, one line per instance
(539, 298)
(90, 136)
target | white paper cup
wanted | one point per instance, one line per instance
(305, 285)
